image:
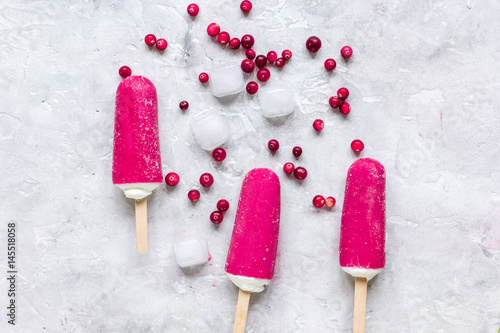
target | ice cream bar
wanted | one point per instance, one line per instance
(136, 149)
(252, 253)
(362, 234)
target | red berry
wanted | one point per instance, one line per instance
(193, 9)
(213, 29)
(246, 6)
(250, 53)
(330, 64)
(252, 87)
(261, 61)
(357, 146)
(125, 71)
(300, 173)
(330, 202)
(297, 151)
(263, 74)
(313, 44)
(203, 77)
(234, 43)
(280, 62)
(219, 154)
(335, 102)
(223, 38)
(247, 41)
(206, 180)
(222, 205)
(184, 105)
(346, 52)
(343, 93)
(288, 168)
(194, 195)
(161, 44)
(247, 66)
(272, 56)
(273, 145)
(318, 125)
(319, 201)
(287, 54)
(216, 217)
(150, 39)
(172, 179)
(345, 108)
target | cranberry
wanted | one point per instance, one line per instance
(250, 53)
(330, 64)
(125, 71)
(203, 77)
(273, 145)
(184, 105)
(261, 61)
(313, 44)
(247, 41)
(263, 74)
(345, 108)
(330, 202)
(206, 180)
(150, 39)
(213, 29)
(346, 52)
(172, 179)
(161, 44)
(287, 54)
(288, 168)
(252, 87)
(357, 146)
(247, 66)
(319, 201)
(216, 217)
(272, 56)
(280, 62)
(219, 154)
(335, 102)
(300, 173)
(318, 125)
(194, 195)
(297, 151)
(343, 93)
(234, 43)
(223, 38)
(193, 9)
(222, 205)
(246, 6)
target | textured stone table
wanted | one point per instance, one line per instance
(425, 97)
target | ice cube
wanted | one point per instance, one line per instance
(190, 250)
(209, 129)
(226, 79)
(276, 100)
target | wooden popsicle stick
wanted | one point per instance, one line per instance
(360, 286)
(241, 311)
(141, 225)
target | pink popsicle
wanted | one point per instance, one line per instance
(136, 150)
(362, 235)
(254, 242)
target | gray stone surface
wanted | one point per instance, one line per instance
(425, 96)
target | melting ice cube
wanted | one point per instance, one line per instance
(190, 250)
(209, 129)
(276, 101)
(226, 79)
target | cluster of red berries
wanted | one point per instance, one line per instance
(339, 101)
(150, 40)
(320, 201)
(299, 173)
(216, 216)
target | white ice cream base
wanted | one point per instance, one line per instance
(362, 272)
(246, 283)
(138, 190)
